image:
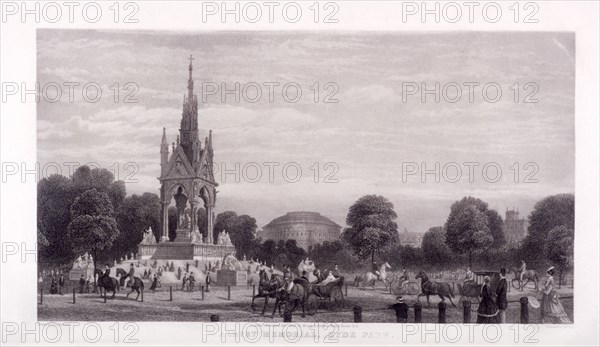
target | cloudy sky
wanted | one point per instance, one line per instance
(370, 134)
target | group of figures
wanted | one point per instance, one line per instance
(291, 291)
(83, 261)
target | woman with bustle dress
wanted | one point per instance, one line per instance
(551, 309)
(488, 310)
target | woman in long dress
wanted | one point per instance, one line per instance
(551, 309)
(488, 310)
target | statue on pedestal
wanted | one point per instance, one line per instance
(148, 238)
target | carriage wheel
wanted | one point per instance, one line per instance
(336, 299)
(412, 288)
(312, 302)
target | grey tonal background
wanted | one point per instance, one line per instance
(369, 133)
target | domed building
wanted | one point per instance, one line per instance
(307, 228)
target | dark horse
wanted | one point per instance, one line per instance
(267, 289)
(109, 284)
(428, 288)
(297, 295)
(136, 285)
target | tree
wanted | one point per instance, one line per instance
(93, 227)
(135, 214)
(434, 247)
(558, 248)
(371, 226)
(224, 221)
(547, 214)
(467, 230)
(496, 226)
(242, 234)
(54, 200)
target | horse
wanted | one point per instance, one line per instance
(529, 275)
(109, 284)
(371, 277)
(297, 295)
(267, 289)
(136, 285)
(428, 288)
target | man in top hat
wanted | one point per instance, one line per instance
(501, 300)
(401, 309)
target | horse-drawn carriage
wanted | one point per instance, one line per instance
(330, 293)
(472, 291)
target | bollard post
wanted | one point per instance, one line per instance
(142, 295)
(418, 308)
(524, 310)
(287, 317)
(466, 311)
(73, 295)
(442, 312)
(214, 317)
(202, 292)
(228, 292)
(170, 293)
(357, 310)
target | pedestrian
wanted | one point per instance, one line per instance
(487, 311)
(154, 283)
(208, 282)
(88, 283)
(184, 281)
(501, 300)
(53, 286)
(191, 282)
(61, 284)
(401, 309)
(552, 311)
(81, 284)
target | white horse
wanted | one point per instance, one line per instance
(371, 277)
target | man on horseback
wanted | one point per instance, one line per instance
(404, 278)
(375, 270)
(522, 270)
(130, 275)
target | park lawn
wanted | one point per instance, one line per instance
(188, 306)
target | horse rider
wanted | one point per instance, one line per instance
(404, 278)
(336, 271)
(469, 277)
(317, 273)
(375, 270)
(522, 270)
(131, 275)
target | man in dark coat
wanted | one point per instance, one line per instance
(61, 284)
(401, 309)
(81, 284)
(501, 300)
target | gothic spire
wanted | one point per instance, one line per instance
(164, 138)
(191, 82)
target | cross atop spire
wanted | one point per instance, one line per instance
(191, 58)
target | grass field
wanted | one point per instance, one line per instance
(188, 306)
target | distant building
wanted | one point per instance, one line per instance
(514, 227)
(307, 228)
(410, 238)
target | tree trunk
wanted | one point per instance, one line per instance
(470, 259)
(95, 260)
(372, 256)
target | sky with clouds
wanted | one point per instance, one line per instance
(369, 134)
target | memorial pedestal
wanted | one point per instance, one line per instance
(232, 278)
